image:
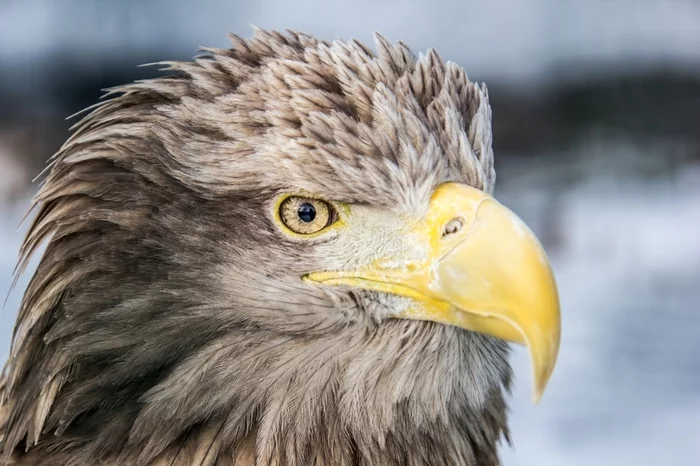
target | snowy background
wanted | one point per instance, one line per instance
(597, 138)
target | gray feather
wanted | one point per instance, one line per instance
(166, 322)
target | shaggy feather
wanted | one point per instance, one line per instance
(167, 322)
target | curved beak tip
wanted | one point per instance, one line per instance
(500, 270)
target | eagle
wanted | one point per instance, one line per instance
(282, 253)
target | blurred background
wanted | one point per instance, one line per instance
(596, 123)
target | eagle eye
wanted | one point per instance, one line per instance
(305, 216)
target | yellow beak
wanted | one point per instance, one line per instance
(482, 270)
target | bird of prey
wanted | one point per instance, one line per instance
(282, 253)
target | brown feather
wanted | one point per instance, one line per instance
(166, 322)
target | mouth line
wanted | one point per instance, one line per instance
(354, 279)
(397, 289)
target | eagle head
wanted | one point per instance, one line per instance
(285, 253)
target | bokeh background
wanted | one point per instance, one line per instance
(596, 110)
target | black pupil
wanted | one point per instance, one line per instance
(307, 212)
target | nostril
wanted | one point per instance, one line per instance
(453, 226)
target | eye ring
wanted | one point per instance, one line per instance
(305, 215)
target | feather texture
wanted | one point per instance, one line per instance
(166, 323)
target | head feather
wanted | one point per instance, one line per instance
(124, 342)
